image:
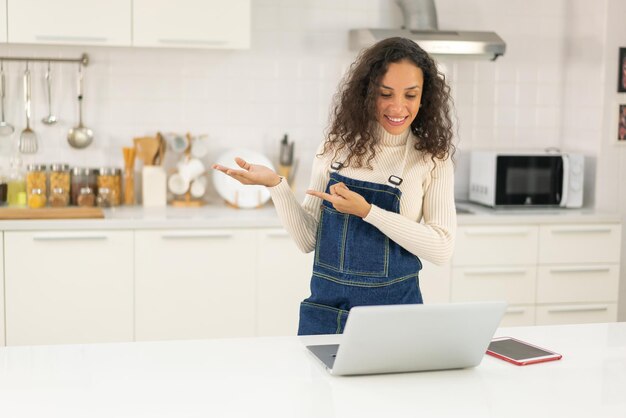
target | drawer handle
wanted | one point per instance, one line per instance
(171, 41)
(515, 311)
(497, 232)
(196, 235)
(586, 308)
(580, 270)
(582, 229)
(277, 234)
(70, 38)
(493, 272)
(76, 237)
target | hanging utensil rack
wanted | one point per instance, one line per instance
(83, 60)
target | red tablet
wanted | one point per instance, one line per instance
(519, 352)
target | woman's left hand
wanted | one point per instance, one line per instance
(344, 200)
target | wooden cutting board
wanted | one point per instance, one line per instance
(51, 213)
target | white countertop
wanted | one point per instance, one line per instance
(218, 215)
(277, 377)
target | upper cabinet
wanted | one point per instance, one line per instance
(143, 23)
(3, 20)
(191, 23)
(70, 22)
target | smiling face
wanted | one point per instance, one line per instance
(399, 96)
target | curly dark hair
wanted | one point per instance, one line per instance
(354, 111)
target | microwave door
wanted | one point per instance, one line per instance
(529, 180)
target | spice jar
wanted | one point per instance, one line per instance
(104, 197)
(111, 179)
(86, 197)
(16, 184)
(3, 190)
(59, 185)
(83, 178)
(36, 186)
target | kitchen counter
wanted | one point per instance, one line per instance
(277, 377)
(219, 215)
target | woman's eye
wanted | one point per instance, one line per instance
(385, 95)
(411, 96)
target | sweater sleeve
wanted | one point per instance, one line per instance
(300, 220)
(433, 239)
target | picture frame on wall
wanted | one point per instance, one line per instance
(621, 78)
(621, 124)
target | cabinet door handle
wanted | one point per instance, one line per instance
(515, 311)
(69, 237)
(582, 230)
(580, 270)
(494, 271)
(181, 41)
(62, 38)
(277, 234)
(497, 232)
(584, 308)
(196, 235)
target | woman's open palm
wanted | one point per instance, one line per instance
(250, 173)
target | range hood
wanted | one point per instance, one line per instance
(421, 26)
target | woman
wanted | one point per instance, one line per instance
(382, 187)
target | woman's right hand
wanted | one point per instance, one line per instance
(251, 173)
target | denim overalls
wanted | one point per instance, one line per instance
(356, 264)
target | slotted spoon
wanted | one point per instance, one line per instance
(28, 138)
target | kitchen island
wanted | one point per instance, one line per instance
(277, 377)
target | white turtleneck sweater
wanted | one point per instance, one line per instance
(426, 223)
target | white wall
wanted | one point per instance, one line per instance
(555, 87)
(610, 192)
(285, 82)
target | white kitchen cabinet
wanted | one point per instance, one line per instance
(191, 23)
(575, 282)
(518, 316)
(515, 284)
(283, 278)
(70, 22)
(497, 262)
(581, 313)
(3, 20)
(548, 273)
(496, 245)
(68, 286)
(435, 282)
(587, 243)
(2, 342)
(578, 277)
(194, 283)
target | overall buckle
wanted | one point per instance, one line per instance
(395, 180)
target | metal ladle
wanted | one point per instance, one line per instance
(80, 136)
(6, 128)
(50, 119)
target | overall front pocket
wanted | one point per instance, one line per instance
(348, 244)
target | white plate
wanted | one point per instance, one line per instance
(235, 193)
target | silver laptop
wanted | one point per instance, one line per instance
(406, 338)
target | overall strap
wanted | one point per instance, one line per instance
(395, 180)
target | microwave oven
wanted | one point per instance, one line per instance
(502, 179)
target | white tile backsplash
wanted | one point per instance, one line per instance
(532, 96)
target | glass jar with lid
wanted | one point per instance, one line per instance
(110, 178)
(36, 186)
(3, 189)
(104, 197)
(16, 183)
(59, 185)
(83, 183)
